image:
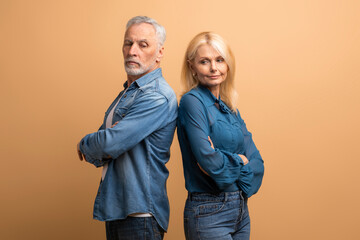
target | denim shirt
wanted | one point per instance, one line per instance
(136, 150)
(201, 115)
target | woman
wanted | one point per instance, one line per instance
(222, 165)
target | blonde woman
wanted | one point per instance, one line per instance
(222, 165)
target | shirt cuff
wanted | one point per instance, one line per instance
(89, 158)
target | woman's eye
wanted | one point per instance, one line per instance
(220, 60)
(203, 61)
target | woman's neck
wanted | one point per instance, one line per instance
(215, 90)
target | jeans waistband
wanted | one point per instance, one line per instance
(213, 197)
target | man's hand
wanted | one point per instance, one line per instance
(80, 154)
(114, 124)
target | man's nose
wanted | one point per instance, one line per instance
(133, 51)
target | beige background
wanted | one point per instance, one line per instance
(297, 74)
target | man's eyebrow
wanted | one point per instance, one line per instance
(140, 40)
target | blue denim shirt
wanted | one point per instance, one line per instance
(136, 150)
(201, 115)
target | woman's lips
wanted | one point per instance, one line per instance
(214, 76)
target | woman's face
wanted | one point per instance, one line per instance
(209, 67)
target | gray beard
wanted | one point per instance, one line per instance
(138, 71)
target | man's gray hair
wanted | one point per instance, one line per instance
(160, 30)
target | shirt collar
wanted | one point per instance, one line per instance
(149, 77)
(213, 100)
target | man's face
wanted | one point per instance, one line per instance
(141, 51)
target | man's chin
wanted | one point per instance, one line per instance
(133, 72)
(138, 70)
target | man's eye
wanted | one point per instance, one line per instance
(143, 45)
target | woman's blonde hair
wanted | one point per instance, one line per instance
(227, 89)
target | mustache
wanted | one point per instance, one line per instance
(131, 59)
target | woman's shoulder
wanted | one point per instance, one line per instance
(190, 96)
(191, 99)
(193, 93)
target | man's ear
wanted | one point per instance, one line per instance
(160, 54)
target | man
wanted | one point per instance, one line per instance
(133, 144)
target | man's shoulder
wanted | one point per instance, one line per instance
(159, 86)
(164, 88)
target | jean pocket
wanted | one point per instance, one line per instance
(209, 209)
(158, 232)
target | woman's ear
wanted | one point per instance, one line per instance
(191, 67)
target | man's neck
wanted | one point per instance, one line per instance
(133, 78)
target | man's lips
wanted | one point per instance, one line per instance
(132, 63)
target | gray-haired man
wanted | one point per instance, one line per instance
(133, 144)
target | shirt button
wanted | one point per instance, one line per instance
(123, 115)
(124, 96)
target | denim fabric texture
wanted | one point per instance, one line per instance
(134, 228)
(136, 150)
(216, 216)
(201, 115)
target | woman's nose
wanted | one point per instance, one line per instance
(213, 67)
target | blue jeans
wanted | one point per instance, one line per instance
(134, 228)
(223, 216)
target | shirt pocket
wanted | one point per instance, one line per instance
(227, 136)
(123, 107)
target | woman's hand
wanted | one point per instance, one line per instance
(211, 143)
(212, 146)
(245, 160)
